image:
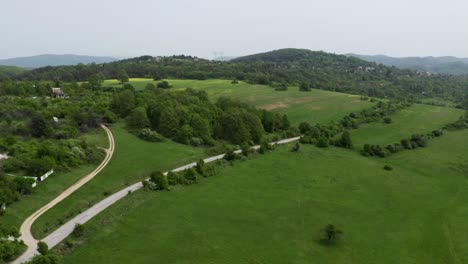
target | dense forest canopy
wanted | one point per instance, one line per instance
(320, 70)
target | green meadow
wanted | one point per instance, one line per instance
(133, 161)
(416, 119)
(271, 208)
(316, 106)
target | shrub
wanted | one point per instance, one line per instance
(234, 81)
(160, 180)
(163, 85)
(42, 248)
(281, 87)
(304, 87)
(78, 231)
(296, 147)
(388, 120)
(174, 178)
(322, 142)
(388, 167)
(150, 135)
(231, 155)
(190, 176)
(304, 127)
(200, 168)
(331, 234)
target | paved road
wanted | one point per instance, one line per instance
(25, 229)
(64, 231)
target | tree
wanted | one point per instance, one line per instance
(96, 80)
(138, 119)
(42, 248)
(39, 126)
(122, 76)
(200, 168)
(304, 127)
(345, 140)
(322, 142)
(123, 103)
(304, 87)
(160, 180)
(331, 234)
(285, 122)
(150, 87)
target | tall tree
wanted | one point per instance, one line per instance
(122, 76)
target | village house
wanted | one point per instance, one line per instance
(57, 92)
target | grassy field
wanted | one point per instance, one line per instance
(416, 119)
(316, 106)
(133, 160)
(55, 184)
(270, 209)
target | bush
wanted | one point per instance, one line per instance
(190, 176)
(281, 87)
(163, 85)
(304, 127)
(388, 120)
(304, 87)
(42, 248)
(388, 167)
(296, 147)
(175, 178)
(200, 168)
(322, 142)
(78, 231)
(160, 180)
(231, 156)
(150, 135)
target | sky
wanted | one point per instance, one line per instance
(124, 28)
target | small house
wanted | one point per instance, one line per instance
(57, 92)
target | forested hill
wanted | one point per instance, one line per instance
(287, 67)
(11, 71)
(441, 65)
(54, 60)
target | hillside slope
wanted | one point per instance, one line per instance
(316, 69)
(11, 71)
(442, 65)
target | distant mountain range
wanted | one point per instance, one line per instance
(442, 65)
(54, 60)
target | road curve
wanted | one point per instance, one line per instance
(65, 230)
(25, 230)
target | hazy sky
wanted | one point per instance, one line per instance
(238, 27)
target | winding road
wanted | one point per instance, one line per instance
(65, 230)
(25, 230)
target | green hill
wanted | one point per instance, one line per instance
(11, 71)
(317, 69)
(441, 65)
